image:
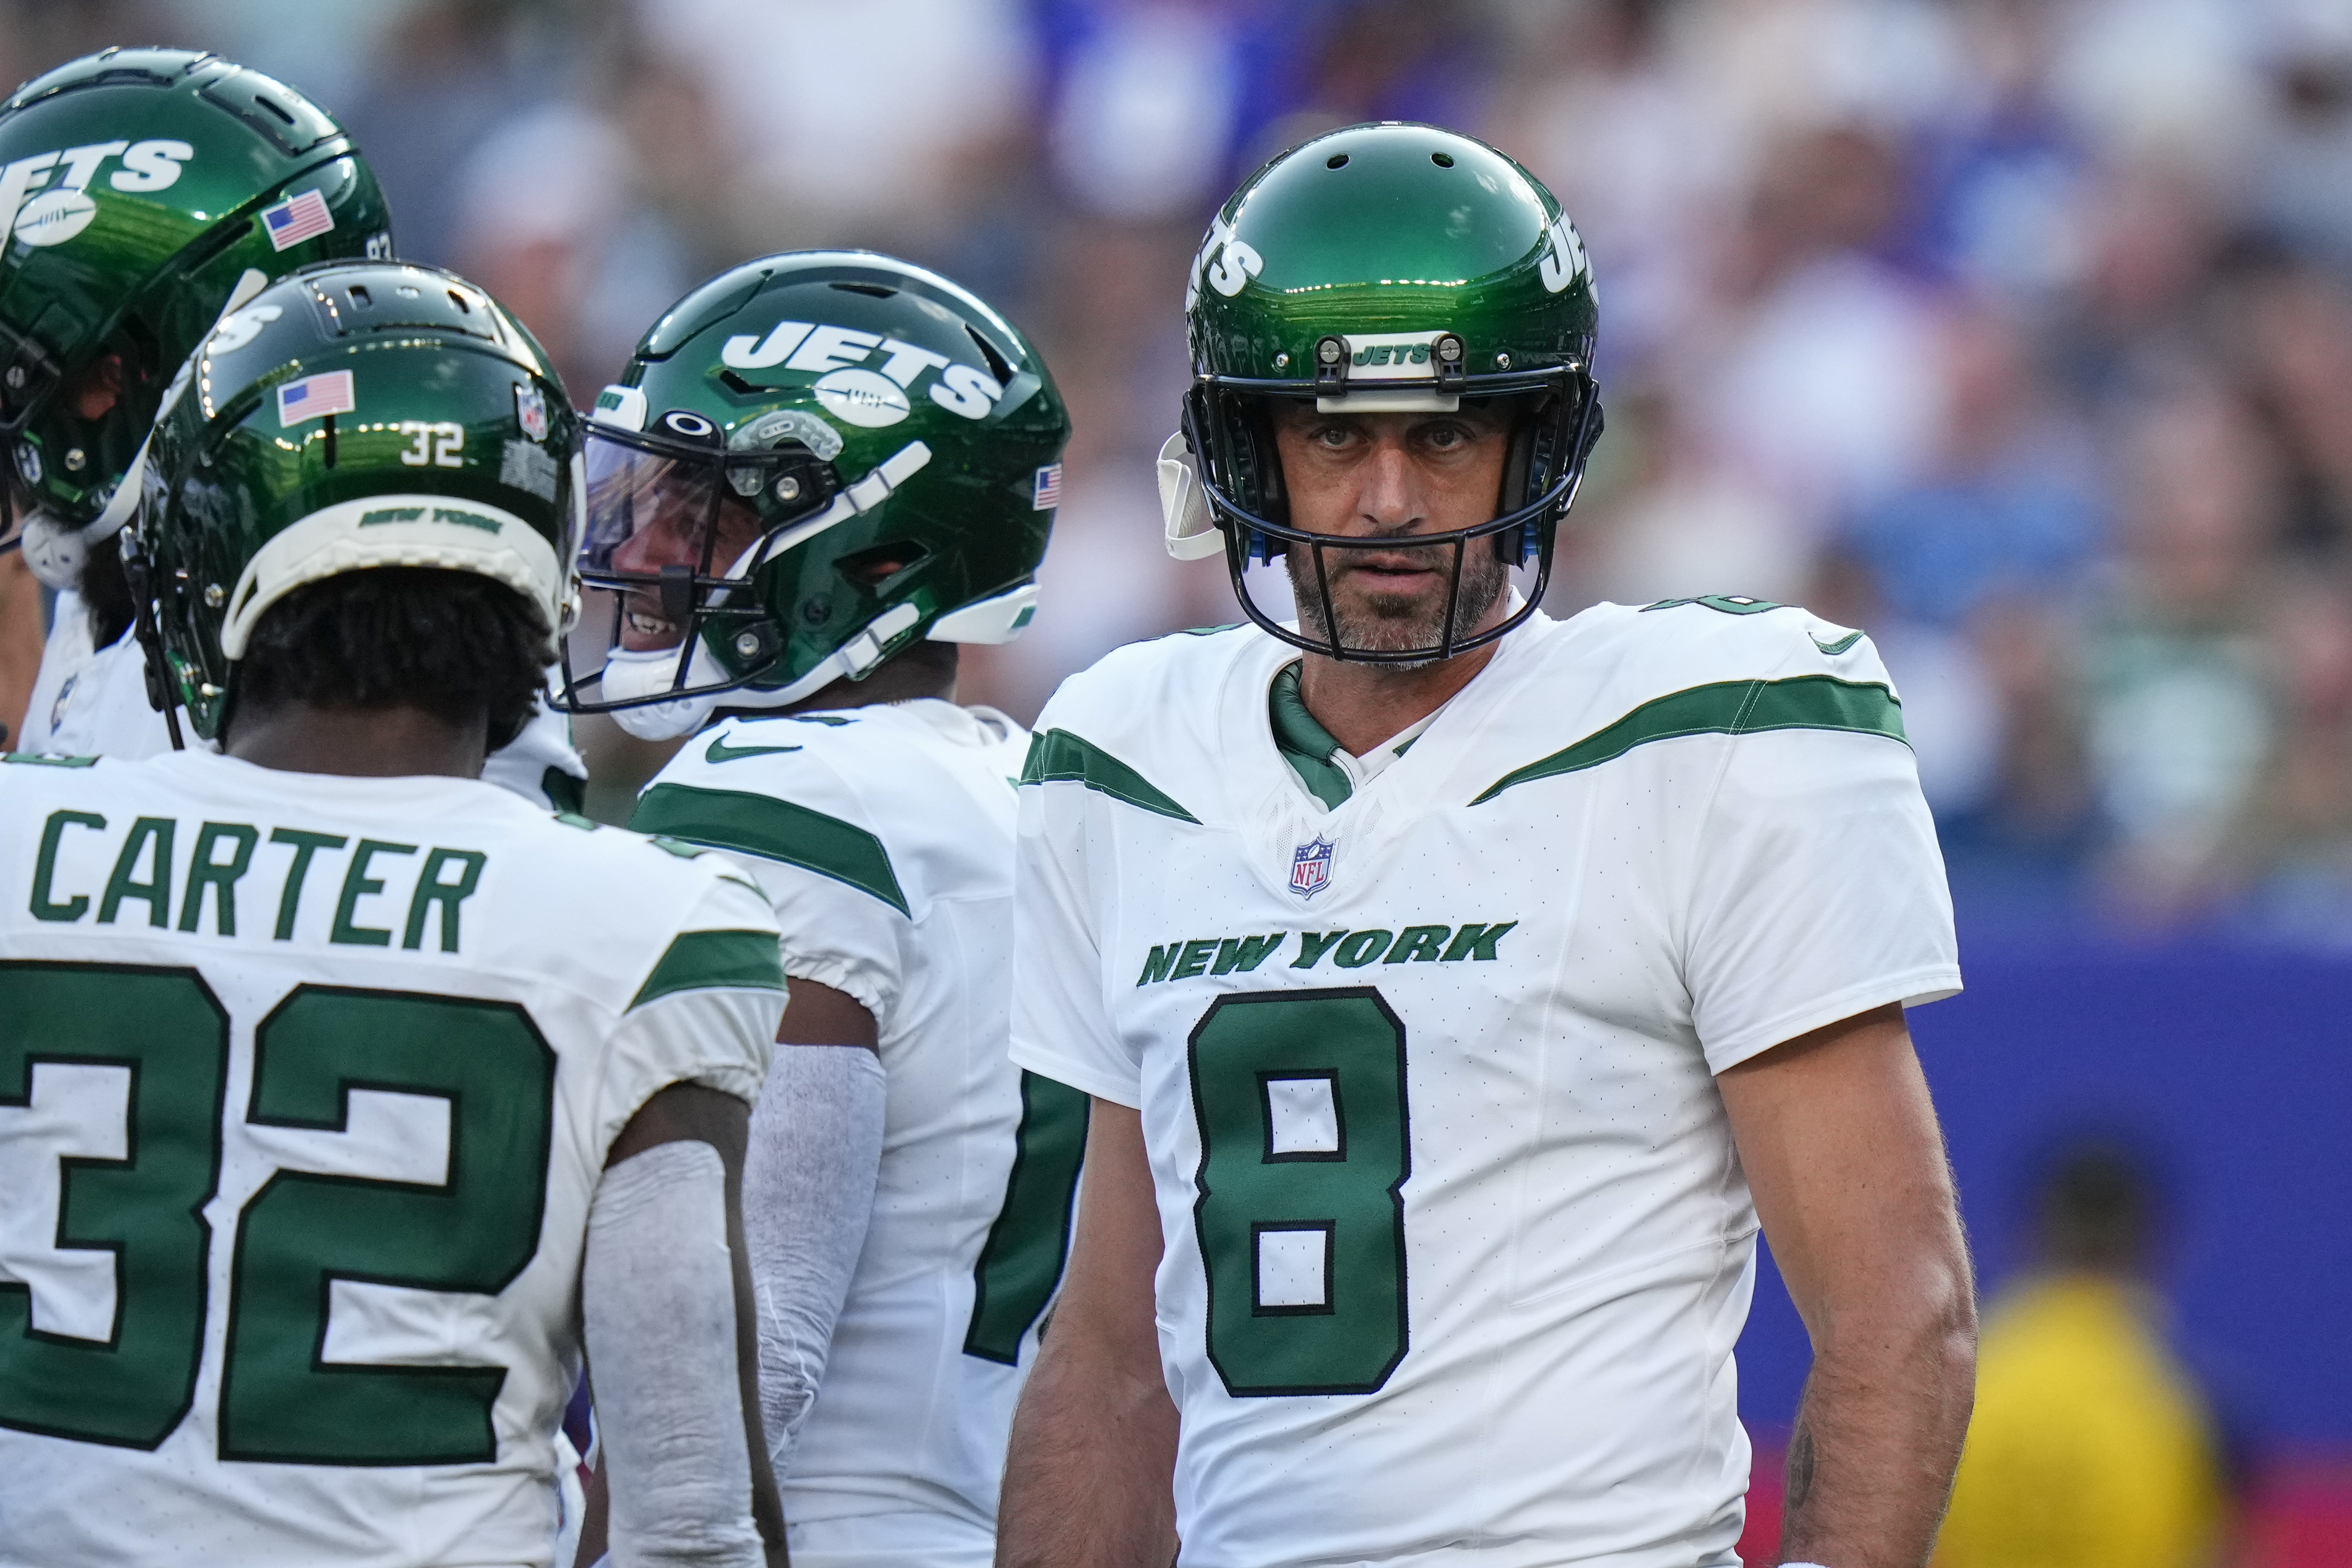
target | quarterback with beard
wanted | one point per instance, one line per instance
(822, 472)
(148, 196)
(1458, 990)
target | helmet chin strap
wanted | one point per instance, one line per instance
(648, 672)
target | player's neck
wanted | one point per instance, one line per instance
(358, 743)
(1364, 704)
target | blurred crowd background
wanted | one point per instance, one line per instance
(2014, 332)
(2017, 332)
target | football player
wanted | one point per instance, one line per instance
(337, 1092)
(1456, 986)
(145, 193)
(823, 472)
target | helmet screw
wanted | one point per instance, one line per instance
(788, 488)
(747, 644)
(1503, 361)
(215, 595)
(1328, 351)
(74, 459)
(16, 377)
(1449, 349)
(1282, 361)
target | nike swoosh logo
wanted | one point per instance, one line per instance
(1840, 646)
(720, 751)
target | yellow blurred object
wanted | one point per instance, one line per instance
(2090, 1447)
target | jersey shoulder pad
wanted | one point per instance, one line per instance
(793, 790)
(1733, 637)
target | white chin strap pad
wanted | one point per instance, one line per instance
(55, 552)
(648, 672)
(1184, 506)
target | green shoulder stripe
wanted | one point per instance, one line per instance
(772, 829)
(1058, 756)
(709, 960)
(1726, 707)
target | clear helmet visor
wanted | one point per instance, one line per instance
(668, 532)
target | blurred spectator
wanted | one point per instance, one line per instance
(2091, 1444)
(447, 75)
(2008, 503)
(1811, 378)
(549, 220)
(2182, 720)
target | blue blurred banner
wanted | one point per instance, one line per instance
(2229, 1067)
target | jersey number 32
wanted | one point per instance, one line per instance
(113, 1082)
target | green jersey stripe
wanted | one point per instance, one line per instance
(1726, 707)
(1058, 756)
(710, 960)
(772, 829)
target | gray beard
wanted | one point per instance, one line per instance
(1484, 577)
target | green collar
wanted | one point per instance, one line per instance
(1305, 745)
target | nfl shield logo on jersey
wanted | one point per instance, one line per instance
(1310, 867)
(531, 407)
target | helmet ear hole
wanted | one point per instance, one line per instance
(876, 564)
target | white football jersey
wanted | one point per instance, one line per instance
(884, 836)
(306, 1083)
(92, 702)
(1456, 1240)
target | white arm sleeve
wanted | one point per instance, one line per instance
(808, 1194)
(657, 1294)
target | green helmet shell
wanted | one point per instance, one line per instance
(356, 414)
(813, 460)
(1389, 268)
(140, 190)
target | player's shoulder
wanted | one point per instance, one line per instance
(1617, 677)
(899, 803)
(871, 765)
(1156, 722)
(1679, 643)
(1140, 684)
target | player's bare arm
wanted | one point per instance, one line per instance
(1846, 1162)
(819, 1015)
(1094, 1441)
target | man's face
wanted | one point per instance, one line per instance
(1380, 475)
(669, 516)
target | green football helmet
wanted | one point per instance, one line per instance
(815, 459)
(1383, 268)
(142, 193)
(356, 414)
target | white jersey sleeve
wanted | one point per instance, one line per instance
(788, 813)
(1817, 888)
(1061, 1023)
(690, 1015)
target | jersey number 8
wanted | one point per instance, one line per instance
(1299, 1097)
